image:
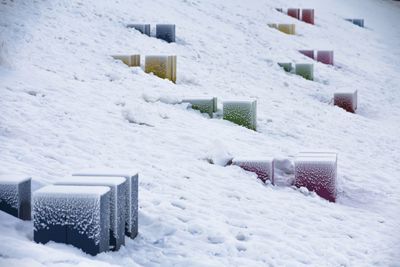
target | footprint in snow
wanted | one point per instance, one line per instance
(216, 239)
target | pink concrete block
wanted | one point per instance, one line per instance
(307, 15)
(318, 173)
(294, 12)
(308, 53)
(346, 100)
(325, 57)
(264, 168)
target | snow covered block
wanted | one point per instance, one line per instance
(130, 60)
(273, 25)
(325, 57)
(287, 66)
(75, 215)
(142, 28)
(264, 168)
(346, 100)
(294, 12)
(358, 22)
(279, 9)
(318, 173)
(15, 196)
(131, 205)
(287, 28)
(162, 66)
(307, 15)
(305, 70)
(166, 32)
(307, 53)
(118, 187)
(204, 105)
(243, 113)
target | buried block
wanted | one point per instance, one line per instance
(287, 28)
(118, 187)
(317, 171)
(131, 204)
(166, 32)
(264, 168)
(243, 113)
(325, 57)
(142, 28)
(161, 66)
(204, 105)
(15, 196)
(130, 60)
(305, 70)
(287, 66)
(346, 100)
(358, 22)
(294, 12)
(307, 53)
(307, 15)
(75, 215)
(279, 9)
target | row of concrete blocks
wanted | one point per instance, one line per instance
(161, 66)
(316, 171)
(305, 70)
(323, 56)
(164, 32)
(306, 15)
(240, 112)
(90, 210)
(285, 28)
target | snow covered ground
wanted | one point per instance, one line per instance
(66, 105)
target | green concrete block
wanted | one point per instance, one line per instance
(204, 105)
(243, 113)
(288, 67)
(305, 70)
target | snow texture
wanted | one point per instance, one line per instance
(118, 187)
(241, 112)
(318, 173)
(264, 168)
(79, 207)
(132, 194)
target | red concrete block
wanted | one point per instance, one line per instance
(294, 12)
(346, 100)
(325, 57)
(318, 173)
(264, 168)
(307, 15)
(308, 53)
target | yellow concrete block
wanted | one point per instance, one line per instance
(130, 60)
(287, 28)
(161, 66)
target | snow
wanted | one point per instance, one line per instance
(12, 179)
(66, 104)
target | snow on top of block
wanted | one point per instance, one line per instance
(346, 92)
(106, 172)
(202, 98)
(72, 190)
(13, 179)
(84, 180)
(315, 159)
(237, 101)
(253, 160)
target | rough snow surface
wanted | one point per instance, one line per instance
(66, 104)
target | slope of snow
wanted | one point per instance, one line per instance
(66, 105)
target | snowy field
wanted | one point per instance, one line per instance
(66, 105)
